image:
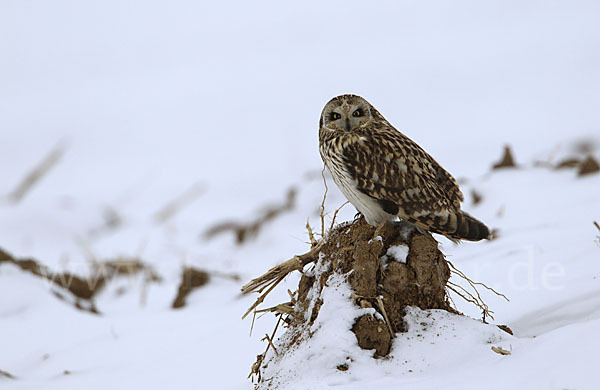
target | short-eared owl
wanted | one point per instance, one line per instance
(386, 175)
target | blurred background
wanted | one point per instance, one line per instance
(168, 119)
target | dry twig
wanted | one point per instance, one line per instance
(275, 275)
(282, 308)
(271, 285)
(270, 341)
(37, 173)
(311, 235)
(255, 370)
(467, 296)
(335, 213)
(174, 206)
(322, 210)
(475, 297)
(472, 283)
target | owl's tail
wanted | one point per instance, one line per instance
(467, 228)
(456, 225)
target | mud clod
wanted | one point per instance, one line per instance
(588, 166)
(191, 279)
(507, 160)
(477, 197)
(343, 367)
(371, 333)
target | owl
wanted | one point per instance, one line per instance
(386, 175)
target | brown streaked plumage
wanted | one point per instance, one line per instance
(385, 175)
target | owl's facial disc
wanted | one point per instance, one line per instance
(346, 113)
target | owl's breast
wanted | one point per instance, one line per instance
(332, 154)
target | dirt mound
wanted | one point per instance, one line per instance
(388, 269)
(361, 279)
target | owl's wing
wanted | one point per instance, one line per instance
(400, 175)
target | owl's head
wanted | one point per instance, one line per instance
(346, 113)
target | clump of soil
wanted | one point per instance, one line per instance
(507, 160)
(584, 166)
(378, 279)
(477, 197)
(191, 279)
(589, 165)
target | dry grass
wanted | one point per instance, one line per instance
(323, 213)
(501, 351)
(5, 374)
(37, 173)
(268, 281)
(176, 205)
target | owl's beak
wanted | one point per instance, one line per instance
(347, 124)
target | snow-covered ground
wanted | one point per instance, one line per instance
(153, 98)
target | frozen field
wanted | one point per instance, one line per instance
(217, 105)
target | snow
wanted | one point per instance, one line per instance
(316, 271)
(152, 99)
(397, 253)
(332, 343)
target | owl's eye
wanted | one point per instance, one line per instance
(357, 113)
(334, 116)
